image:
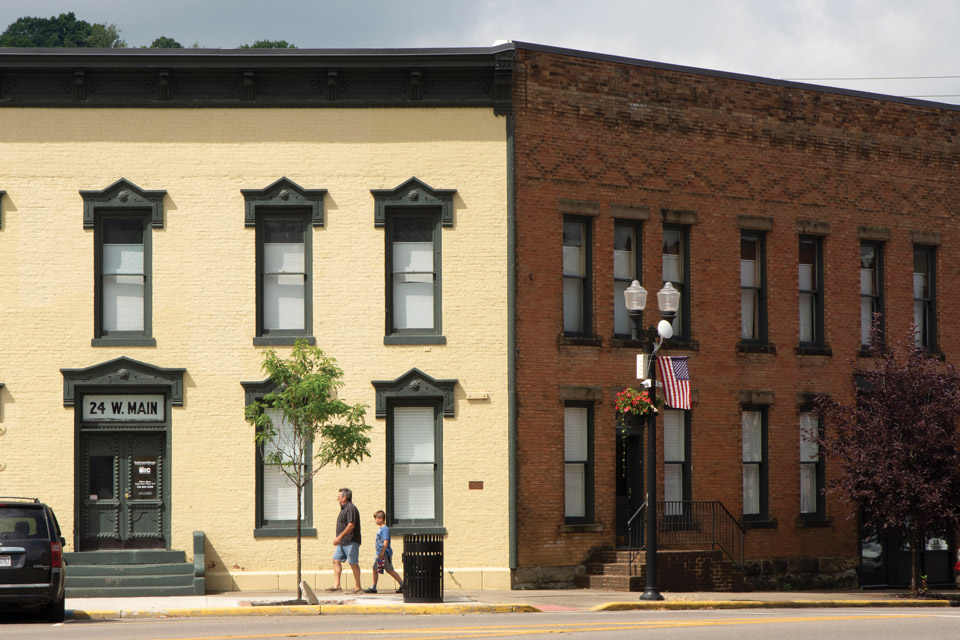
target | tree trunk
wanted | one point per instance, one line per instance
(915, 561)
(299, 498)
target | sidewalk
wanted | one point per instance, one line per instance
(459, 602)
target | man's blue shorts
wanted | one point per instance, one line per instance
(348, 552)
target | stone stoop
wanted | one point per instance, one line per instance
(677, 570)
(118, 574)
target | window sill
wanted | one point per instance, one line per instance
(812, 350)
(681, 344)
(408, 529)
(748, 347)
(580, 341)
(123, 342)
(581, 528)
(414, 340)
(281, 341)
(812, 522)
(627, 343)
(759, 524)
(284, 532)
(864, 352)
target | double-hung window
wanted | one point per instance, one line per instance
(576, 277)
(871, 288)
(753, 302)
(276, 492)
(755, 471)
(626, 269)
(413, 274)
(578, 463)
(123, 276)
(811, 291)
(676, 267)
(811, 469)
(676, 460)
(284, 259)
(924, 297)
(414, 454)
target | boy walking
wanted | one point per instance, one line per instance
(384, 560)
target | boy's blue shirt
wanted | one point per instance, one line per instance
(383, 533)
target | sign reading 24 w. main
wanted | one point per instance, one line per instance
(129, 408)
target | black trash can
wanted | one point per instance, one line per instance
(423, 567)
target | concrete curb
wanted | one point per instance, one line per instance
(766, 604)
(304, 610)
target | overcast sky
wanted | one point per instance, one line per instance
(794, 39)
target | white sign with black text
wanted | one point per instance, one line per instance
(128, 408)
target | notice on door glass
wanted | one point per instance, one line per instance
(144, 478)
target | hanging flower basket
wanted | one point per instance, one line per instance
(634, 403)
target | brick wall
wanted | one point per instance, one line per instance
(611, 133)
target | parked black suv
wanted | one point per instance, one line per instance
(31, 558)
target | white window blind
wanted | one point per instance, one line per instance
(752, 458)
(414, 468)
(123, 287)
(575, 453)
(809, 455)
(283, 285)
(279, 493)
(413, 278)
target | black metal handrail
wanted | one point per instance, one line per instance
(688, 523)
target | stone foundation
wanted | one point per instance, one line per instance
(785, 574)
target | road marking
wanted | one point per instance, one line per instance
(493, 631)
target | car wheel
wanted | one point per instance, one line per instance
(55, 611)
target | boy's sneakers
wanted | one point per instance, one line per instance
(400, 588)
(370, 590)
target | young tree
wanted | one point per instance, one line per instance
(60, 31)
(898, 445)
(311, 418)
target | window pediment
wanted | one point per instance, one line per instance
(412, 385)
(413, 193)
(123, 194)
(283, 193)
(123, 372)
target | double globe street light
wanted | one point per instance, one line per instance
(668, 300)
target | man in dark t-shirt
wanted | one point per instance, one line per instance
(347, 542)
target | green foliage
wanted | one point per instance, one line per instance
(897, 446)
(61, 31)
(306, 397)
(269, 44)
(163, 42)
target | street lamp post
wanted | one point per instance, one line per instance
(668, 300)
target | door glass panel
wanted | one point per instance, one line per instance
(101, 478)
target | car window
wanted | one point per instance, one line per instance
(18, 523)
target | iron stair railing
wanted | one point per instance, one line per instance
(688, 523)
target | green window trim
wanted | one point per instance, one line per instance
(264, 528)
(586, 463)
(123, 200)
(411, 201)
(283, 201)
(763, 467)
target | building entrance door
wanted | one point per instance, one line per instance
(885, 559)
(121, 490)
(629, 481)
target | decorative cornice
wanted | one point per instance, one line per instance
(123, 194)
(283, 193)
(123, 372)
(413, 193)
(412, 385)
(253, 389)
(468, 77)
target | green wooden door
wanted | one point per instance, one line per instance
(122, 490)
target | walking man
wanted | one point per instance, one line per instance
(347, 542)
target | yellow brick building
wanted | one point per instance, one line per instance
(165, 217)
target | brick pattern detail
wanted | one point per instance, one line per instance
(726, 149)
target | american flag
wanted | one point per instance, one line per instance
(676, 381)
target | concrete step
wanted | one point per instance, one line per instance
(129, 592)
(133, 556)
(114, 570)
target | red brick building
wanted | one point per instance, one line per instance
(786, 214)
